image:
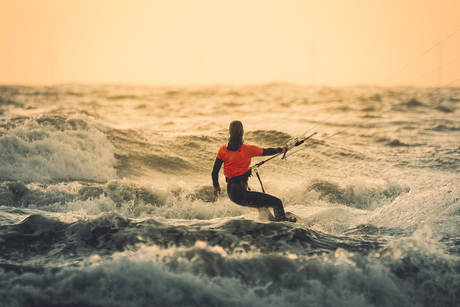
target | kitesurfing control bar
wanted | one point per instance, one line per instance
(295, 142)
(298, 143)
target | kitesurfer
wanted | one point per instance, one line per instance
(236, 158)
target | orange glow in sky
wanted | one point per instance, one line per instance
(330, 42)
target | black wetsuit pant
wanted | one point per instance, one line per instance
(237, 191)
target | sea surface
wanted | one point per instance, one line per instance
(106, 197)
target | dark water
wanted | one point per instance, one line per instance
(106, 197)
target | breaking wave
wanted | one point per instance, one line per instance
(53, 148)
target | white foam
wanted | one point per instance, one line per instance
(430, 206)
(205, 275)
(43, 152)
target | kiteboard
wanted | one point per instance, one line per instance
(266, 215)
(291, 215)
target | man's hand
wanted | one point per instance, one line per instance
(216, 191)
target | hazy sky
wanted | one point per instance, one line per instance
(321, 42)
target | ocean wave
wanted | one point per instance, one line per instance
(413, 103)
(130, 199)
(397, 143)
(271, 138)
(445, 127)
(9, 102)
(138, 152)
(134, 200)
(50, 148)
(444, 109)
(435, 206)
(207, 270)
(53, 239)
(213, 279)
(359, 196)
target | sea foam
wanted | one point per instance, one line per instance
(43, 150)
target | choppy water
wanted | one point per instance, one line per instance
(106, 197)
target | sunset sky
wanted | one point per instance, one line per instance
(319, 42)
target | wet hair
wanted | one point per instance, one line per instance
(236, 135)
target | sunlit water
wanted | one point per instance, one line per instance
(106, 197)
